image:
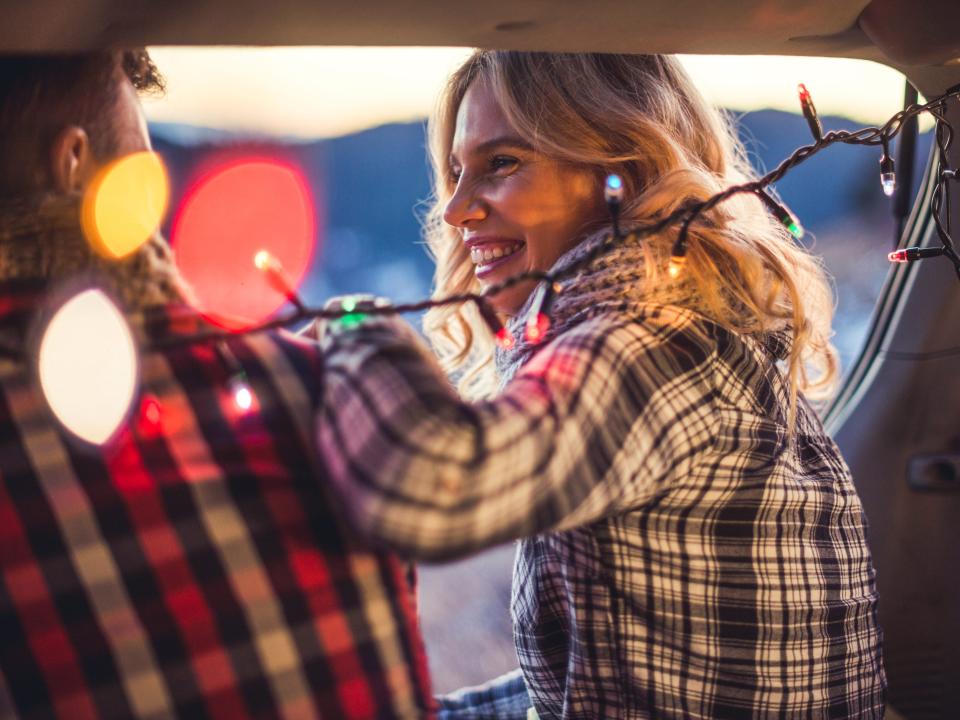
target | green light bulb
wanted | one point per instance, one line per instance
(793, 225)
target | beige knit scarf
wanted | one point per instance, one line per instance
(41, 238)
(613, 284)
(610, 284)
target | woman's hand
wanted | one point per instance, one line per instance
(357, 309)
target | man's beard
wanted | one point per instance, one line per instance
(41, 238)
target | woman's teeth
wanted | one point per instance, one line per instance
(481, 256)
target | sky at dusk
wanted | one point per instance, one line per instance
(326, 92)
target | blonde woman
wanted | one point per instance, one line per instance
(691, 543)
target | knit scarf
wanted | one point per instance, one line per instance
(612, 284)
(41, 239)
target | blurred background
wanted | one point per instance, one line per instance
(353, 120)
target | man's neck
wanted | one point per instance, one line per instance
(41, 238)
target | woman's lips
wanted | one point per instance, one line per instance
(488, 258)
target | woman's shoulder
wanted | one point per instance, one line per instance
(661, 341)
(648, 326)
(670, 340)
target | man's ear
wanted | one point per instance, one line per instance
(71, 158)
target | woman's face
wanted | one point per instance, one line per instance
(517, 210)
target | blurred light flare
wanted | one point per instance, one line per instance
(150, 416)
(252, 207)
(151, 410)
(537, 327)
(125, 204)
(794, 226)
(87, 365)
(241, 393)
(505, 338)
(888, 181)
(613, 189)
(676, 266)
(264, 261)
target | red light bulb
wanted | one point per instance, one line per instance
(150, 416)
(151, 410)
(810, 112)
(537, 327)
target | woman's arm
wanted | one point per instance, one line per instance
(596, 421)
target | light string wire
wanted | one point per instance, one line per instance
(686, 215)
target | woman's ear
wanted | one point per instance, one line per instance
(71, 158)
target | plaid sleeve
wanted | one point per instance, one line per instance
(504, 698)
(591, 425)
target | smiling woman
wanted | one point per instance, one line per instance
(690, 540)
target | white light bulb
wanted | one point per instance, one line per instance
(241, 392)
(889, 183)
(88, 366)
(243, 397)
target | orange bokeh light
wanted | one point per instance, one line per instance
(125, 204)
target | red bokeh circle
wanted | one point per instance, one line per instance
(234, 210)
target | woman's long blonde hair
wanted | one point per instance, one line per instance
(640, 117)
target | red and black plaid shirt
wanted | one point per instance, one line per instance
(193, 566)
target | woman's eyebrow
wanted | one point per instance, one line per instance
(502, 141)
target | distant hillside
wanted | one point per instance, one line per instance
(369, 185)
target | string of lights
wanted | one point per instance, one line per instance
(551, 283)
(132, 227)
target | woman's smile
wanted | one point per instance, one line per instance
(495, 258)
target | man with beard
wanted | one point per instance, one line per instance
(193, 565)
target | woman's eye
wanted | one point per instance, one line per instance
(502, 162)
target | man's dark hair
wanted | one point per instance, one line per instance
(41, 95)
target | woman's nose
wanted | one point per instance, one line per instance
(464, 206)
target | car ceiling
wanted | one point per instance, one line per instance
(743, 27)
